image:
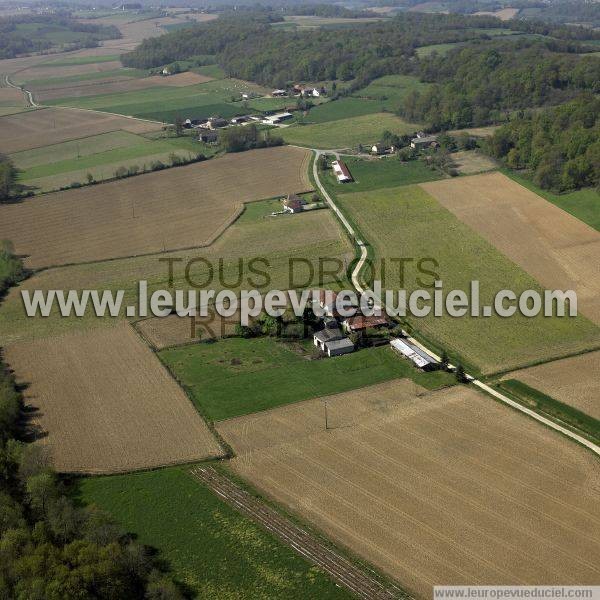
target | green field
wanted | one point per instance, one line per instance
(407, 222)
(381, 173)
(164, 103)
(212, 549)
(234, 376)
(346, 133)
(343, 109)
(391, 90)
(52, 167)
(583, 204)
(439, 48)
(79, 60)
(76, 79)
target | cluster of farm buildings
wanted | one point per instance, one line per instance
(333, 337)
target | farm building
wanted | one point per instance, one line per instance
(420, 143)
(209, 137)
(293, 204)
(419, 357)
(362, 322)
(239, 120)
(278, 93)
(341, 171)
(277, 118)
(331, 339)
(216, 123)
(380, 148)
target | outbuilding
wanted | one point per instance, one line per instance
(293, 204)
(341, 171)
(339, 347)
(428, 141)
(415, 354)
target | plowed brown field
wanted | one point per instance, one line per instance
(178, 208)
(446, 488)
(106, 404)
(43, 127)
(557, 249)
(574, 381)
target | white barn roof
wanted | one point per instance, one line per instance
(412, 352)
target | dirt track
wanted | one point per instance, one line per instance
(360, 582)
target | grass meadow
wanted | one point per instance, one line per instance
(213, 550)
(234, 377)
(346, 133)
(407, 222)
(163, 103)
(391, 90)
(380, 173)
(344, 108)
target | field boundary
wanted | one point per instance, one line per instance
(480, 384)
(344, 572)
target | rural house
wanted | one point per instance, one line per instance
(278, 93)
(293, 204)
(341, 171)
(380, 148)
(428, 141)
(419, 357)
(362, 322)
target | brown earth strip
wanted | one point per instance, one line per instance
(103, 403)
(183, 207)
(444, 488)
(554, 247)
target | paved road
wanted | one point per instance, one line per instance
(358, 580)
(480, 384)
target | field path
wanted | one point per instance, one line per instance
(359, 581)
(480, 384)
(28, 95)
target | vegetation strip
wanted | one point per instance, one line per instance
(362, 584)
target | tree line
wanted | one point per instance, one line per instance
(50, 548)
(14, 41)
(478, 85)
(561, 145)
(249, 48)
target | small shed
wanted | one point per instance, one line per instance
(339, 347)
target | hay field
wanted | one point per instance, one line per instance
(407, 222)
(309, 236)
(112, 85)
(442, 488)
(573, 381)
(48, 69)
(180, 208)
(105, 404)
(47, 126)
(469, 162)
(554, 247)
(346, 133)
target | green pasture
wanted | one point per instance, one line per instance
(233, 377)
(212, 549)
(346, 133)
(407, 222)
(391, 90)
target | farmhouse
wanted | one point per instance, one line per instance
(293, 204)
(362, 322)
(341, 171)
(422, 142)
(380, 148)
(419, 357)
(217, 123)
(277, 118)
(331, 340)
